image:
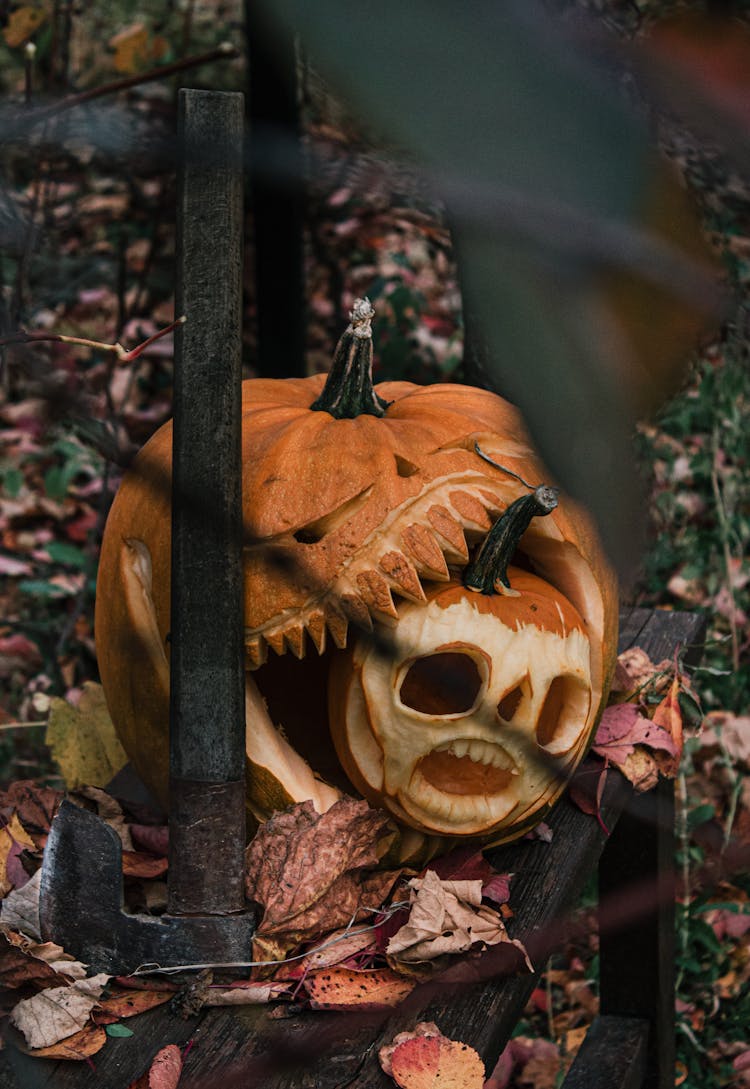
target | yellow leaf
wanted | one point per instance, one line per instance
(22, 23)
(131, 48)
(83, 739)
(13, 832)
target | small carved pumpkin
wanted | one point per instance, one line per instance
(467, 729)
(356, 502)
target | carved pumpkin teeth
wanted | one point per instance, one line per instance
(479, 752)
(275, 640)
(426, 553)
(295, 640)
(376, 594)
(256, 651)
(316, 629)
(337, 624)
(450, 530)
(470, 509)
(403, 576)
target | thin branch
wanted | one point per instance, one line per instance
(122, 354)
(224, 51)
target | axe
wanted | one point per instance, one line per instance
(207, 919)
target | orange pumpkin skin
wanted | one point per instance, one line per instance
(470, 727)
(339, 516)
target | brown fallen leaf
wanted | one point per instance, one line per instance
(142, 864)
(445, 917)
(13, 837)
(35, 805)
(164, 1072)
(435, 1062)
(340, 945)
(344, 989)
(668, 717)
(58, 1012)
(127, 1004)
(308, 871)
(81, 1045)
(83, 739)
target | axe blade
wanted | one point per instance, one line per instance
(81, 907)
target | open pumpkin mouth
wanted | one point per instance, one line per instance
(467, 767)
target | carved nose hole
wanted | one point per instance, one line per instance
(404, 467)
(563, 713)
(508, 705)
(445, 683)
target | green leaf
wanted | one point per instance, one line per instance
(12, 482)
(69, 554)
(118, 1030)
(83, 739)
(37, 588)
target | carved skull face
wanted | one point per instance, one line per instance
(467, 729)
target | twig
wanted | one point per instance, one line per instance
(122, 354)
(683, 837)
(225, 51)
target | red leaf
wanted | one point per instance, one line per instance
(463, 864)
(497, 888)
(151, 837)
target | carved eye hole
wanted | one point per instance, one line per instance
(563, 714)
(509, 703)
(445, 683)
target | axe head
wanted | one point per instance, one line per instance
(81, 908)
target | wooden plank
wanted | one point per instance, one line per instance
(207, 695)
(328, 1050)
(636, 889)
(615, 1048)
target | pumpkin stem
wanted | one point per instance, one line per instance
(488, 573)
(349, 391)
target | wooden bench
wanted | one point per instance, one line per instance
(632, 1039)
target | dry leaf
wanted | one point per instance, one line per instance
(445, 917)
(423, 1028)
(246, 993)
(128, 1004)
(435, 1062)
(108, 809)
(164, 1072)
(81, 1045)
(635, 670)
(641, 768)
(20, 908)
(22, 23)
(668, 717)
(140, 864)
(623, 726)
(135, 48)
(36, 805)
(13, 838)
(54, 1014)
(335, 947)
(344, 989)
(83, 739)
(731, 732)
(307, 871)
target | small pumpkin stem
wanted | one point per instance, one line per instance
(488, 573)
(349, 391)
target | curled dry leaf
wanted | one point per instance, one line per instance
(668, 717)
(246, 993)
(445, 917)
(58, 1012)
(344, 989)
(308, 871)
(165, 1070)
(435, 1062)
(634, 671)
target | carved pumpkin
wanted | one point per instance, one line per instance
(468, 727)
(356, 501)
